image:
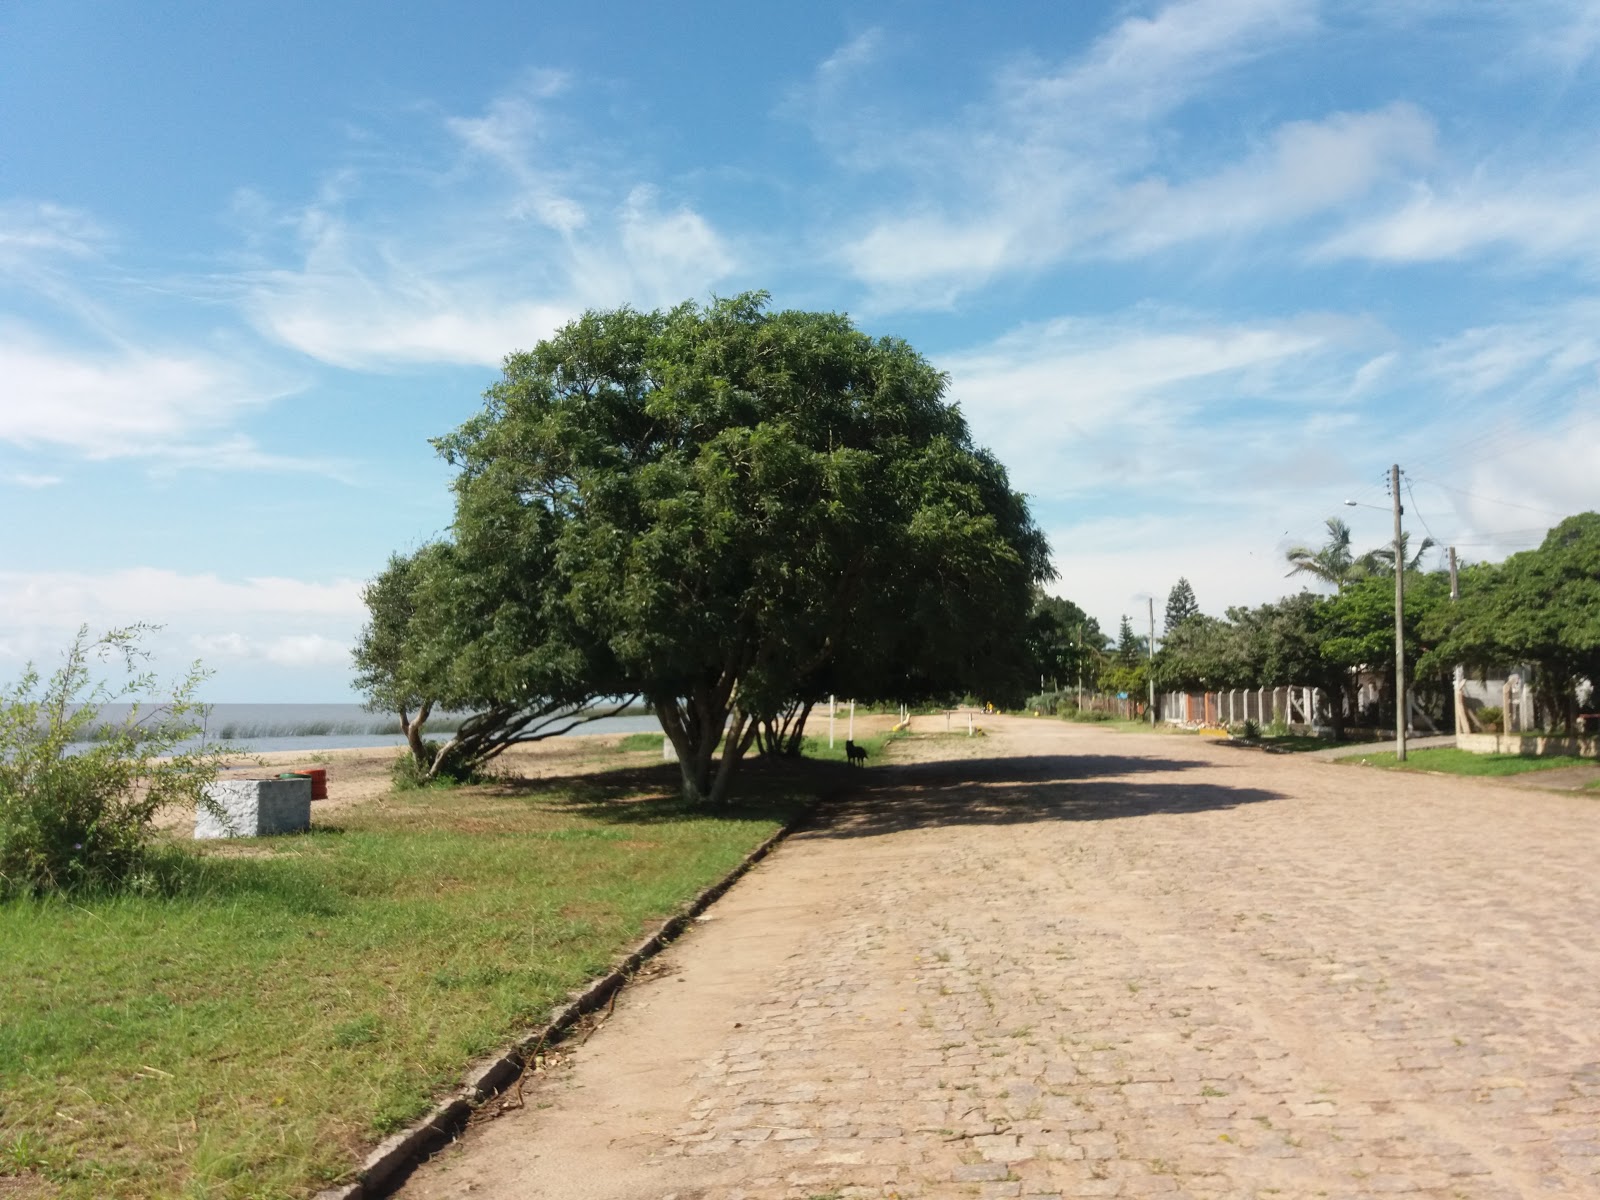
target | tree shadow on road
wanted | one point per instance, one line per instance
(1025, 789)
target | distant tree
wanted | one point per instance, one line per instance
(1380, 561)
(1203, 653)
(1181, 605)
(1063, 640)
(744, 508)
(1332, 562)
(1130, 645)
(1540, 607)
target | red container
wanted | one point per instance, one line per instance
(319, 780)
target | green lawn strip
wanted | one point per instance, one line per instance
(299, 998)
(1451, 761)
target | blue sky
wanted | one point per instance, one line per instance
(1199, 271)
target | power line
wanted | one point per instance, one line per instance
(1549, 512)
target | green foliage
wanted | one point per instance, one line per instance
(1250, 730)
(726, 509)
(475, 625)
(1542, 607)
(1064, 642)
(1489, 716)
(1181, 605)
(1202, 653)
(74, 817)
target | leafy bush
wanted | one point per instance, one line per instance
(1091, 715)
(1250, 731)
(1490, 717)
(79, 817)
(1278, 728)
(408, 774)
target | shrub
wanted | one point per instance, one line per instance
(408, 774)
(79, 817)
(1490, 718)
(1250, 731)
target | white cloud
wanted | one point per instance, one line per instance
(121, 401)
(31, 231)
(1309, 167)
(466, 265)
(1147, 66)
(287, 650)
(1074, 406)
(1229, 553)
(1078, 162)
(241, 627)
(69, 598)
(29, 480)
(1542, 219)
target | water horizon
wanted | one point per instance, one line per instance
(265, 727)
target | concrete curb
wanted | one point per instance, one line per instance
(388, 1165)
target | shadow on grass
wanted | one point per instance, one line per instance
(764, 790)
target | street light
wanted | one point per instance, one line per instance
(1399, 615)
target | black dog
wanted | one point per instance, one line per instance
(854, 754)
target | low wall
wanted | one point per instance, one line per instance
(1530, 746)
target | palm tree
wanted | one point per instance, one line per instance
(1333, 563)
(1381, 560)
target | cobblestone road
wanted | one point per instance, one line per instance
(1088, 964)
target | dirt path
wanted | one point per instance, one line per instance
(1082, 963)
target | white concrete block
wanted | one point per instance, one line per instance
(256, 808)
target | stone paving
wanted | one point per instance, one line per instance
(1088, 964)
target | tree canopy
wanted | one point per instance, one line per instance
(734, 507)
(1181, 605)
(1540, 607)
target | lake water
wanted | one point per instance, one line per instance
(263, 727)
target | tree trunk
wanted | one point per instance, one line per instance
(413, 731)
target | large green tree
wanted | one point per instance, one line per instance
(1542, 607)
(742, 506)
(1064, 642)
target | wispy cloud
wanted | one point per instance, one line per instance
(286, 650)
(1026, 179)
(118, 401)
(30, 480)
(1154, 398)
(486, 253)
(29, 232)
(1543, 218)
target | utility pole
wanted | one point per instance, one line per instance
(1399, 622)
(1150, 661)
(1457, 675)
(1080, 668)
(1455, 584)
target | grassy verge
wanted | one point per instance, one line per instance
(1452, 761)
(297, 998)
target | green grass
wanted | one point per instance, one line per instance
(818, 748)
(297, 998)
(1452, 761)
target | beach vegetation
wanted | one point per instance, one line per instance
(75, 815)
